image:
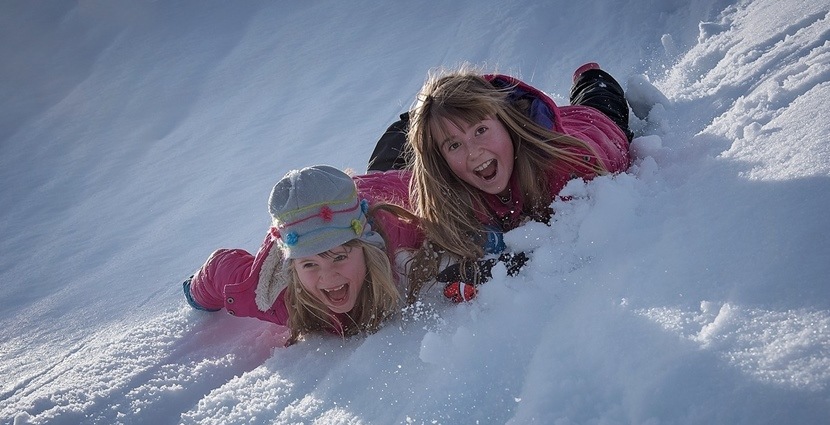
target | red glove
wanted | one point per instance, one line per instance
(459, 292)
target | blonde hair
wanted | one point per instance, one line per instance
(460, 97)
(377, 300)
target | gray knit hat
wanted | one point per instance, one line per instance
(316, 209)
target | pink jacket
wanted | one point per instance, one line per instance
(582, 122)
(229, 277)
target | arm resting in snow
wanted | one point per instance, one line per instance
(223, 267)
(462, 278)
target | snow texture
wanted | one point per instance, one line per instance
(137, 137)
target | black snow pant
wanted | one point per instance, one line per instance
(598, 89)
(389, 151)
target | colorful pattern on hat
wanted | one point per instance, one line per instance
(316, 209)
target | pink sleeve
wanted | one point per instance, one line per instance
(391, 187)
(399, 234)
(593, 127)
(223, 267)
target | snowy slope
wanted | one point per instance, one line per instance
(137, 137)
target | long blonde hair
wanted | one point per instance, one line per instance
(465, 96)
(378, 299)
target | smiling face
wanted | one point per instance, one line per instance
(334, 277)
(480, 153)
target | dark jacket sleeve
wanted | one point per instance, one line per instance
(389, 151)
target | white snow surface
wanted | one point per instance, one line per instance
(137, 137)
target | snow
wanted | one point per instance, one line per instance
(137, 137)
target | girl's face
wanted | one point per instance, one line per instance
(334, 277)
(480, 154)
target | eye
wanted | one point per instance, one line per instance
(340, 257)
(307, 265)
(481, 130)
(451, 146)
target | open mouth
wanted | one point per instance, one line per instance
(487, 170)
(337, 294)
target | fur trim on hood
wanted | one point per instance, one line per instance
(272, 278)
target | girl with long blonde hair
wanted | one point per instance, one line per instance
(489, 152)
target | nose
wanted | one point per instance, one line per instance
(327, 274)
(475, 147)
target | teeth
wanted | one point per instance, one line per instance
(483, 166)
(334, 289)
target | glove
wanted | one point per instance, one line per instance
(478, 272)
(459, 292)
(494, 243)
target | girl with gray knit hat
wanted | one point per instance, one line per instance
(327, 261)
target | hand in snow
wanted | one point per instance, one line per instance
(462, 278)
(459, 292)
